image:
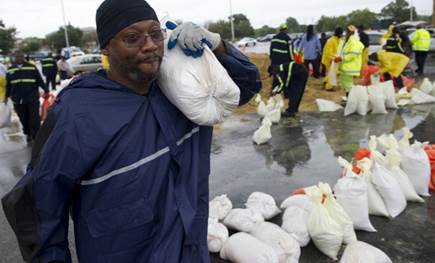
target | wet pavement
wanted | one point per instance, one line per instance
(303, 152)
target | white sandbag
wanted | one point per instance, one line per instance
(361, 252)
(377, 99)
(393, 163)
(426, 86)
(376, 203)
(403, 97)
(375, 78)
(332, 74)
(389, 189)
(274, 115)
(263, 134)
(5, 113)
(219, 207)
(389, 93)
(294, 222)
(351, 193)
(301, 201)
(337, 212)
(286, 247)
(387, 142)
(415, 163)
(357, 101)
(279, 102)
(244, 248)
(327, 105)
(432, 93)
(242, 219)
(326, 233)
(261, 109)
(271, 103)
(419, 97)
(263, 204)
(217, 234)
(201, 88)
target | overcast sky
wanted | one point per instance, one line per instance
(40, 17)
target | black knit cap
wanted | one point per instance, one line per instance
(115, 15)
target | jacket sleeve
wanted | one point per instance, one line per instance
(8, 85)
(37, 208)
(40, 81)
(244, 73)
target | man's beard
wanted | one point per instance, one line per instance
(142, 77)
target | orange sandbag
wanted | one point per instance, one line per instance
(362, 153)
(299, 191)
(46, 104)
(298, 57)
(356, 169)
(430, 151)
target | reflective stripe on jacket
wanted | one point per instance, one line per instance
(281, 50)
(351, 56)
(421, 40)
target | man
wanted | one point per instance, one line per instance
(65, 69)
(349, 56)
(3, 70)
(22, 86)
(420, 44)
(281, 51)
(394, 42)
(328, 55)
(49, 69)
(131, 168)
(391, 65)
(364, 38)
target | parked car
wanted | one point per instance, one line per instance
(84, 63)
(375, 40)
(246, 42)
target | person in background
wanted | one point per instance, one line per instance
(420, 44)
(364, 38)
(119, 157)
(65, 69)
(3, 70)
(394, 42)
(22, 86)
(323, 39)
(310, 46)
(280, 51)
(328, 55)
(349, 57)
(49, 69)
(391, 65)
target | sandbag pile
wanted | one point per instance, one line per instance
(271, 113)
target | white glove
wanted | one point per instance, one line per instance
(191, 38)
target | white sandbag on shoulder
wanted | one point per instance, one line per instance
(217, 234)
(389, 189)
(263, 134)
(262, 203)
(337, 212)
(242, 219)
(294, 222)
(219, 207)
(5, 113)
(201, 88)
(415, 163)
(389, 93)
(351, 193)
(376, 203)
(301, 201)
(426, 86)
(326, 233)
(377, 99)
(393, 162)
(419, 97)
(327, 105)
(244, 248)
(361, 252)
(357, 101)
(285, 246)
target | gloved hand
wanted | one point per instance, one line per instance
(337, 59)
(191, 38)
(46, 95)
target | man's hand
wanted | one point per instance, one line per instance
(337, 59)
(191, 38)
(46, 95)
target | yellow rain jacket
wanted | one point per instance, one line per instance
(330, 50)
(392, 62)
(421, 40)
(351, 56)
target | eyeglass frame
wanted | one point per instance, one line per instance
(144, 38)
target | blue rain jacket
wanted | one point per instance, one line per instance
(132, 170)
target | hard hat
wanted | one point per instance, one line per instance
(283, 26)
(351, 28)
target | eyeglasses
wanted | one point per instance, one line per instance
(134, 40)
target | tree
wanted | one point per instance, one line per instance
(398, 10)
(293, 25)
(363, 17)
(222, 27)
(30, 44)
(242, 26)
(264, 30)
(7, 37)
(56, 40)
(327, 23)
